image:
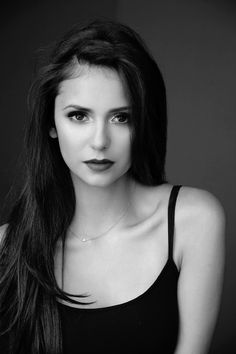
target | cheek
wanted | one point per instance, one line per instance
(70, 144)
(125, 141)
(124, 147)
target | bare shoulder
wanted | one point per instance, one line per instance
(200, 221)
(3, 229)
(200, 205)
(195, 208)
(200, 198)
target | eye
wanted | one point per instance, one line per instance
(77, 115)
(122, 117)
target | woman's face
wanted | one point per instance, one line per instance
(92, 113)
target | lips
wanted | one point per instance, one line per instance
(102, 162)
(99, 165)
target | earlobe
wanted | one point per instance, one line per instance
(53, 133)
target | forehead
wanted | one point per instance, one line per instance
(90, 84)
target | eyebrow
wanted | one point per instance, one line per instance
(88, 110)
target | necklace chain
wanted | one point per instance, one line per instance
(84, 238)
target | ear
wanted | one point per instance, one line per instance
(53, 133)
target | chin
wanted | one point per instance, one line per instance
(98, 180)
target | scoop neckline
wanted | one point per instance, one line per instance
(169, 262)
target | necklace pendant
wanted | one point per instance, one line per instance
(83, 239)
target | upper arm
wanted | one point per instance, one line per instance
(202, 269)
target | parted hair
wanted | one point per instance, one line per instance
(44, 207)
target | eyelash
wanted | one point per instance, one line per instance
(75, 114)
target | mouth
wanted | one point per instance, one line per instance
(101, 162)
(99, 165)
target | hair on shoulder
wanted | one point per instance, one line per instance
(45, 206)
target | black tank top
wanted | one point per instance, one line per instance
(147, 324)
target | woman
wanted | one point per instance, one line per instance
(98, 254)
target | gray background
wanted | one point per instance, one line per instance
(194, 43)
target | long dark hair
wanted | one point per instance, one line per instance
(45, 205)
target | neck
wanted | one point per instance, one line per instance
(97, 207)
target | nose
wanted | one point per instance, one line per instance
(100, 139)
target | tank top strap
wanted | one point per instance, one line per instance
(171, 218)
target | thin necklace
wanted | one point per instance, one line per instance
(84, 238)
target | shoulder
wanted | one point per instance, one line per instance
(191, 202)
(200, 222)
(198, 204)
(3, 229)
(199, 198)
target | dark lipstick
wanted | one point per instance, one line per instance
(103, 161)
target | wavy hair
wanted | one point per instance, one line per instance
(45, 205)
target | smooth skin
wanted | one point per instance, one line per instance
(141, 239)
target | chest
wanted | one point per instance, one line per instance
(117, 272)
